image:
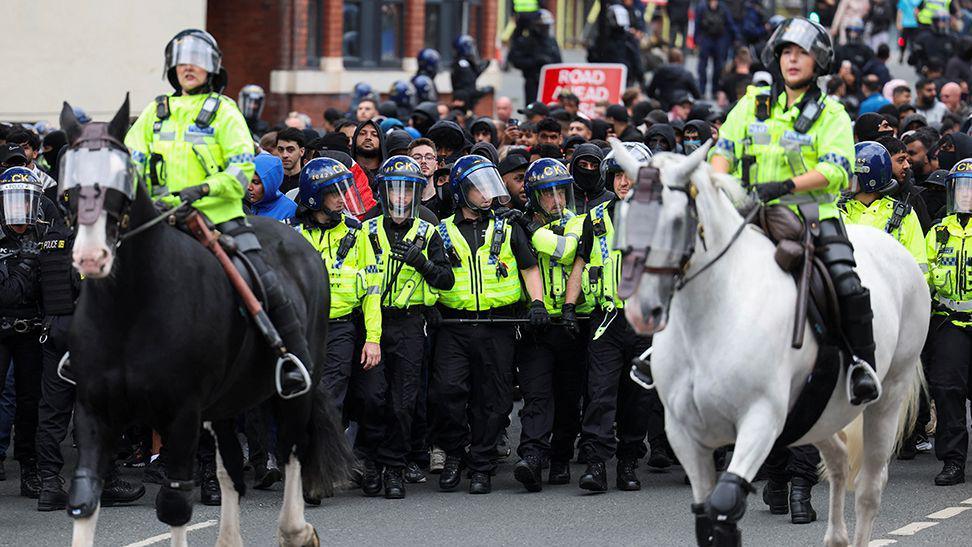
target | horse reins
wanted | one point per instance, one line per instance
(146, 225)
(735, 236)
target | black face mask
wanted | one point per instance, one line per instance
(888, 133)
(588, 180)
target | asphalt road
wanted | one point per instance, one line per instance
(560, 515)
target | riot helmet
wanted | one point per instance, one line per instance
(327, 185)
(251, 100)
(428, 61)
(854, 30)
(424, 89)
(610, 166)
(20, 196)
(958, 187)
(400, 187)
(550, 189)
(199, 48)
(402, 93)
(810, 36)
(476, 183)
(465, 47)
(872, 169)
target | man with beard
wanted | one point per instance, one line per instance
(290, 149)
(367, 149)
(950, 150)
(585, 167)
(906, 189)
(513, 169)
(919, 143)
(928, 104)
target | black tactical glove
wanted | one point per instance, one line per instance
(569, 319)
(194, 193)
(538, 315)
(768, 191)
(519, 217)
(409, 253)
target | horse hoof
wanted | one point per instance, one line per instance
(315, 541)
(85, 494)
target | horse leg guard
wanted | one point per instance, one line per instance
(703, 525)
(726, 506)
(85, 493)
(172, 504)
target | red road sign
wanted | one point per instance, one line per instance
(591, 82)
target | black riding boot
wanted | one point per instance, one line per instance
(837, 254)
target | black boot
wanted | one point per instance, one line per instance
(30, 483)
(209, 493)
(594, 478)
(414, 474)
(479, 483)
(370, 479)
(953, 472)
(559, 472)
(528, 471)
(394, 483)
(627, 479)
(119, 492)
(776, 496)
(801, 512)
(451, 474)
(52, 495)
(265, 477)
(863, 384)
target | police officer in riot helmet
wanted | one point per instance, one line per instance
(466, 69)
(251, 101)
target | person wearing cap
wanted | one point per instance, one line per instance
(471, 386)
(950, 366)
(12, 155)
(796, 148)
(513, 168)
(535, 112)
(569, 144)
(531, 47)
(617, 116)
(580, 127)
(30, 142)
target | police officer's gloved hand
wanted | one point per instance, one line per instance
(409, 253)
(523, 219)
(569, 319)
(194, 193)
(768, 191)
(538, 315)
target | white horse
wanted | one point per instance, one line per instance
(722, 359)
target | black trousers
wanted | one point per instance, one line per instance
(612, 397)
(402, 350)
(354, 388)
(783, 464)
(950, 384)
(25, 351)
(56, 402)
(471, 390)
(257, 426)
(551, 369)
(419, 443)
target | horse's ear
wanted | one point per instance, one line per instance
(118, 125)
(70, 123)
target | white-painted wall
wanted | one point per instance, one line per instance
(88, 52)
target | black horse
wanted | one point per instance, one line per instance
(159, 337)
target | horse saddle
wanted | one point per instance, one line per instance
(817, 303)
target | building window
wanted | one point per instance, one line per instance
(373, 33)
(446, 19)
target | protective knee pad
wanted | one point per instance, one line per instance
(172, 505)
(703, 525)
(727, 502)
(85, 493)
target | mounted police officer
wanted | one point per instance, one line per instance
(412, 265)
(794, 146)
(194, 146)
(475, 345)
(950, 368)
(328, 202)
(872, 204)
(550, 360)
(611, 397)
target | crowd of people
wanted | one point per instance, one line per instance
(472, 259)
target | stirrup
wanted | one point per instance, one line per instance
(61, 365)
(641, 370)
(290, 357)
(858, 364)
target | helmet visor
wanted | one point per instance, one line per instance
(959, 195)
(193, 50)
(106, 168)
(400, 197)
(342, 195)
(251, 105)
(554, 200)
(482, 187)
(802, 33)
(21, 202)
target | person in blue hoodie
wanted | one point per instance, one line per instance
(264, 194)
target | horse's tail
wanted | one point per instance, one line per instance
(853, 434)
(328, 459)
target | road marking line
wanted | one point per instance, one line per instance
(162, 537)
(968, 501)
(948, 512)
(881, 542)
(912, 529)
